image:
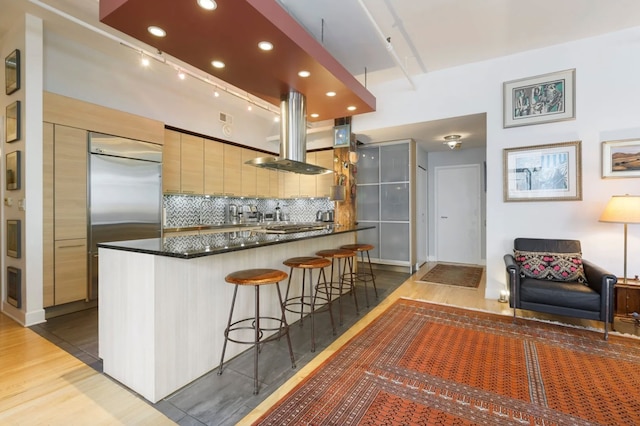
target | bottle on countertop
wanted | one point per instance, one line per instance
(278, 213)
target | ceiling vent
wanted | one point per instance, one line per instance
(225, 118)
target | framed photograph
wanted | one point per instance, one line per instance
(342, 136)
(13, 170)
(12, 72)
(541, 99)
(13, 122)
(14, 239)
(14, 286)
(550, 172)
(621, 158)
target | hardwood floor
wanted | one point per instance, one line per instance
(42, 384)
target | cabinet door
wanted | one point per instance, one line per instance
(70, 271)
(308, 182)
(275, 187)
(47, 215)
(232, 170)
(171, 162)
(291, 185)
(263, 182)
(213, 167)
(326, 181)
(191, 164)
(394, 163)
(70, 183)
(249, 185)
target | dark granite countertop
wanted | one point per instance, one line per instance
(193, 246)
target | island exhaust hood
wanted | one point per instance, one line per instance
(293, 139)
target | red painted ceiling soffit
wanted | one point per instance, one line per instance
(231, 34)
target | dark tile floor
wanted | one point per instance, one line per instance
(225, 399)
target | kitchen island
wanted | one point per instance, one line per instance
(163, 302)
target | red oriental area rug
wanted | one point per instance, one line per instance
(424, 364)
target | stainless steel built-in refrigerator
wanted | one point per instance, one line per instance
(125, 184)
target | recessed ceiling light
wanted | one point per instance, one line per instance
(331, 94)
(157, 31)
(304, 74)
(265, 45)
(314, 115)
(217, 64)
(351, 108)
(207, 4)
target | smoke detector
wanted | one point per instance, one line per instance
(452, 141)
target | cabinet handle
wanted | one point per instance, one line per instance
(73, 246)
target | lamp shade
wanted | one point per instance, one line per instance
(622, 209)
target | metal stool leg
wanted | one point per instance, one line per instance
(256, 340)
(373, 278)
(286, 326)
(327, 289)
(352, 282)
(226, 331)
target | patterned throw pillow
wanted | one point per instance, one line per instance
(551, 266)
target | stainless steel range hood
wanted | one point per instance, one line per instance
(293, 139)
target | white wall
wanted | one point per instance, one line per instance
(607, 90)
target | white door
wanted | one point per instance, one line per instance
(421, 227)
(457, 211)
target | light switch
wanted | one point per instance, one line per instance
(22, 204)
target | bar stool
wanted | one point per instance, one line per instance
(364, 277)
(306, 303)
(256, 278)
(347, 255)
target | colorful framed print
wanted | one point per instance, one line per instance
(621, 158)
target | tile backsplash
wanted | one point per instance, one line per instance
(193, 210)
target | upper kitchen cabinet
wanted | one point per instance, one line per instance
(213, 167)
(232, 170)
(308, 182)
(171, 162)
(249, 175)
(70, 183)
(325, 181)
(191, 164)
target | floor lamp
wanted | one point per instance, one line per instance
(622, 209)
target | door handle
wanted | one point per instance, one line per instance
(73, 246)
(444, 217)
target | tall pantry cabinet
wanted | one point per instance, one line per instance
(386, 181)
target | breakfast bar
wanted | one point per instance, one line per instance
(163, 302)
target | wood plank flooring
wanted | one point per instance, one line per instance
(40, 384)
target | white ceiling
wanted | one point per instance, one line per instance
(425, 35)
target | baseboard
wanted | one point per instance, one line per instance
(68, 308)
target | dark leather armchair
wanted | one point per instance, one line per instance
(590, 299)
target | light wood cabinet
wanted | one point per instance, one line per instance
(70, 183)
(232, 170)
(249, 174)
(70, 270)
(171, 162)
(275, 186)
(213, 167)
(263, 182)
(191, 164)
(47, 216)
(308, 182)
(290, 185)
(324, 182)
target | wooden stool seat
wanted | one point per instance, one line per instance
(336, 253)
(358, 247)
(307, 302)
(256, 277)
(307, 262)
(260, 325)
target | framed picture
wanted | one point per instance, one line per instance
(14, 286)
(13, 122)
(342, 136)
(550, 172)
(12, 72)
(14, 239)
(13, 170)
(621, 158)
(541, 99)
